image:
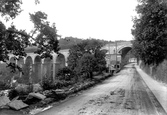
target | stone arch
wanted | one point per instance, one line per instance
(12, 60)
(125, 53)
(65, 52)
(29, 60)
(37, 75)
(124, 50)
(20, 63)
(26, 70)
(61, 60)
(47, 67)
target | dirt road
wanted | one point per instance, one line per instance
(124, 94)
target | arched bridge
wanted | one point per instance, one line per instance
(40, 67)
(49, 67)
(117, 51)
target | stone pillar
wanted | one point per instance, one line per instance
(42, 62)
(54, 68)
(30, 74)
(20, 73)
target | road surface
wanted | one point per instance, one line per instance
(123, 94)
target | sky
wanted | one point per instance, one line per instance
(100, 19)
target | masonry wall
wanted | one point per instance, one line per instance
(34, 70)
(158, 73)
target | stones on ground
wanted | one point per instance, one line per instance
(59, 90)
(4, 92)
(24, 89)
(47, 100)
(37, 95)
(4, 100)
(15, 98)
(17, 104)
(37, 87)
(33, 98)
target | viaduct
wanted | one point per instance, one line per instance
(49, 67)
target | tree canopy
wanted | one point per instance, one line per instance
(150, 31)
(68, 42)
(87, 57)
(14, 41)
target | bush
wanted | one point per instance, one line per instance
(23, 89)
(47, 83)
(65, 74)
(4, 85)
(61, 84)
(13, 93)
(37, 87)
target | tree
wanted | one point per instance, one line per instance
(87, 57)
(100, 61)
(86, 65)
(14, 41)
(150, 31)
(65, 74)
(76, 52)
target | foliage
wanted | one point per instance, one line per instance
(12, 94)
(150, 31)
(47, 83)
(68, 42)
(62, 83)
(76, 52)
(4, 85)
(65, 74)
(87, 57)
(14, 41)
(100, 62)
(86, 65)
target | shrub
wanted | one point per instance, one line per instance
(65, 74)
(37, 87)
(4, 85)
(61, 84)
(23, 89)
(47, 83)
(13, 93)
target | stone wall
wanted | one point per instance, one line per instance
(33, 69)
(159, 72)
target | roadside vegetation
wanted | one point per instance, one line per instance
(150, 37)
(86, 62)
(86, 67)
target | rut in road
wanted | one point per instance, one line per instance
(126, 94)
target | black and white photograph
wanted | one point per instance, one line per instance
(83, 57)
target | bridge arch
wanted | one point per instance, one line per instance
(60, 60)
(37, 69)
(124, 50)
(26, 69)
(47, 69)
(12, 60)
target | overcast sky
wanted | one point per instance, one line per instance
(101, 19)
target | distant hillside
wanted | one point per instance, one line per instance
(67, 42)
